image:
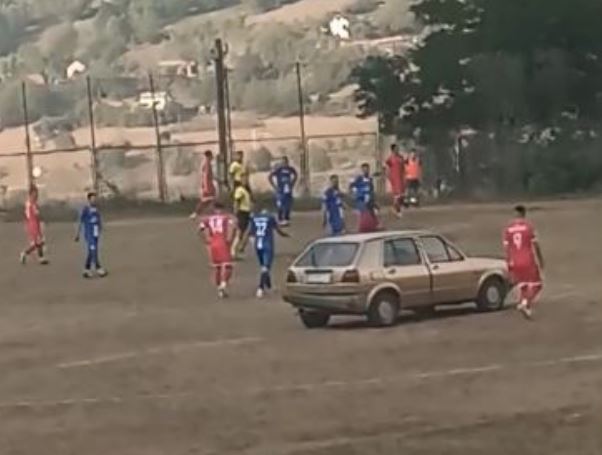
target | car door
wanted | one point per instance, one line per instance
(404, 265)
(452, 281)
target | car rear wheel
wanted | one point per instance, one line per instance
(314, 319)
(492, 295)
(384, 309)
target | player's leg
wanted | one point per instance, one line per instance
(280, 207)
(262, 287)
(533, 292)
(268, 259)
(100, 270)
(40, 248)
(288, 208)
(89, 260)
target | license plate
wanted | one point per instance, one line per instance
(318, 278)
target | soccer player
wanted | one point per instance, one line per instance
(368, 219)
(333, 208)
(283, 179)
(33, 226)
(91, 224)
(413, 170)
(263, 226)
(243, 205)
(238, 170)
(525, 260)
(208, 191)
(397, 178)
(218, 229)
(362, 188)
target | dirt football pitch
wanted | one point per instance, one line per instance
(149, 362)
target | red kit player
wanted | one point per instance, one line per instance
(208, 191)
(525, 260)
(396, 173)
(33, 227)
(218, 229)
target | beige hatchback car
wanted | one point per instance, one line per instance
(380, 274)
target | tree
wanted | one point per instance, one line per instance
(511, 69)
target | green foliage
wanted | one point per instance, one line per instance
(510, 70)
(260, 6)
(261, 159)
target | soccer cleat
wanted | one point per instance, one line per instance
(44, 261)
(87, 274)
(23, 258)
(260, 293)
(221, 293)
(527, 312)
(193, 216)
(102, 273)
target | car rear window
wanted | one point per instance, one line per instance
(336, 254)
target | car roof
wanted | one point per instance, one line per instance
(361, 238)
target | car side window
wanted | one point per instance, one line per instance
(436, 250)
(401, 253)
(454, 254)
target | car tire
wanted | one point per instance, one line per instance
(314, 319)
(384, 309)
(492, 295)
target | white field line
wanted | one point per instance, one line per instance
(174, 349)
(318, 386)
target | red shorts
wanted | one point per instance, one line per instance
(525, 274)
(34, 234)
(220, 254)
(398, 190)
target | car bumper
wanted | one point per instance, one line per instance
(331, 303)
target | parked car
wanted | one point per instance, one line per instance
(379, 274)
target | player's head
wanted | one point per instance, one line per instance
(285, 161)
(240, 156)
(366, 169)
(334, 181)
(209, 154)
(521, 211)
(394, 149)
(91, 196)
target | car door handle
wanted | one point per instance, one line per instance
(392, 271)
(435, 267)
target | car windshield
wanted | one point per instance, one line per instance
(335, 254)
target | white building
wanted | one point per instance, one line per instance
(339, 27)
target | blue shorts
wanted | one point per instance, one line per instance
(265, 257)
(284, 200)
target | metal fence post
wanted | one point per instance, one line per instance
(93, 150)
(29, 155)
(305, 176)
(160, 163)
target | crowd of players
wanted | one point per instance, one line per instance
(227, 235)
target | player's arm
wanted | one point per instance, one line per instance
(324, 212)
(272, 179)
(538, 253)
(295, 177)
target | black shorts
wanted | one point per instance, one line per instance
(243, 219)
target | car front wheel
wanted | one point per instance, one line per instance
(492, 295)
(384, 310)
(314, 319)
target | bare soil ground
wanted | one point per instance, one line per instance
(149, 362)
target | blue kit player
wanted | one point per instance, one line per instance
(263, 226)
(91, 225)
(333, 208)
(283, 179)
(362, 188)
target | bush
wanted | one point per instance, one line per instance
(261, 160)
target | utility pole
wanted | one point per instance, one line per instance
(222, 128)
(29, 156)
(305, 177)
(94, 152)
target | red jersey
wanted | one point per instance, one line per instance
(208, 191)
(217, 228)
(32, 221)
(396, 172)
(519, 242)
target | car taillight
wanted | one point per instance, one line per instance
(351, 276)
(291, 277)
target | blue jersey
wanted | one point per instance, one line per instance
(333, 205)
(263, 226)
(286, 177)
(91, 223)
(363, 190)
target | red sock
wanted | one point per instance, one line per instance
(227, 274)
